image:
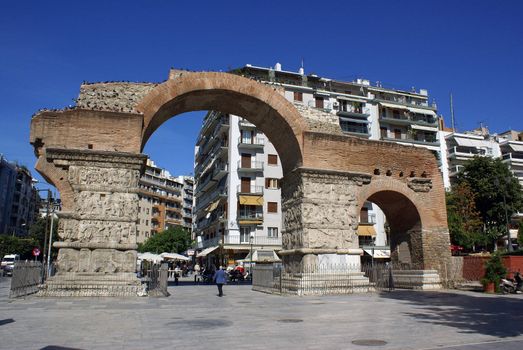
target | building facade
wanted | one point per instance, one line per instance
(164, 202)
(238, 200)
(18, 199)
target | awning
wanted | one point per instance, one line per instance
(465, 142)
(251, 200)
(516, 147)
(352, 99)
(174, 256)
(422, 111)
(378, 253)
(205, 252)
(391, 105)
(366, 230)
(427, 128)
(213, 206)
(354, 120)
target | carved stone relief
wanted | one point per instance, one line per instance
(111, 177)
(110, 206)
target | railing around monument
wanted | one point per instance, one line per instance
(156, 279)
(27, 276)
(341, 278)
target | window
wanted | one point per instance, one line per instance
(364, 215)
(272, 207)
(272, 183)
(245, 234)
(146, 222)
(298, 96)
(383, 132)
(319, 102)
(272, 232)
(272, 159)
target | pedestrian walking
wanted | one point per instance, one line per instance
(220, 279)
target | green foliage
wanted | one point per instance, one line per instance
(494, 271)
(492, 184)
(17, 245)
(520, 234)
(464, 221)
(173, 240)
(37, 232)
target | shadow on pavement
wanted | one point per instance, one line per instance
(6, 321)
(494, 316)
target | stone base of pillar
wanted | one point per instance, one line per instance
(92, 285)
(310, 283)
(417, 279)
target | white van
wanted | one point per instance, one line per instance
(8, 263)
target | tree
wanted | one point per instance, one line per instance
(173, 240)
(495, 190)
(464, 220)
(17, 245)
(37, 232)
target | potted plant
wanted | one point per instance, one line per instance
(494, 272)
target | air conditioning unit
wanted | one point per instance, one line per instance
(335, 105)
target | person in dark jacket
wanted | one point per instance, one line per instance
(220, 278)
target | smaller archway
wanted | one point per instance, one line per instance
(403, 226)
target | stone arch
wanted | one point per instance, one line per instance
(262, 105)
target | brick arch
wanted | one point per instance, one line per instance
(405, 215)
(260, 104)
(395, 198)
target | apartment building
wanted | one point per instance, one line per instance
(364, 110)
(237, 196)
(18, 199)
(164, 201)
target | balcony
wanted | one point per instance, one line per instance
(351, 111)
(251, 143)
(242, 240)
(465, 152)
(244, 123)
(454, 170)
(403, 100)
(513, 158)
(250, 166)
(250, 217)
(407, 119)
(252, 189)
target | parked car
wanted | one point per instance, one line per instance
(8, 263)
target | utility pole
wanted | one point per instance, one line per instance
(452, 114)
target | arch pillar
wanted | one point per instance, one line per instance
(97, 228)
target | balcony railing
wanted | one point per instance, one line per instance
(250, 215)
(252, 165)
(252, 189)
(353, 111)
(406, 119)
(251, 142)
(513, 157)
(264, 240)
(466, 151)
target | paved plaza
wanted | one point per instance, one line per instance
(193, 317)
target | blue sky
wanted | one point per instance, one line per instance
(473, 49)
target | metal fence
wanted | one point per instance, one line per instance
(457, 273)
(156, 279)
(342, 278)
(27, 276)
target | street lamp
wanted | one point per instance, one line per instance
(251, 241)
(46, 228)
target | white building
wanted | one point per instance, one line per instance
(237, 196)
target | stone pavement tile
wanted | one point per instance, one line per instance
(193, 317)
